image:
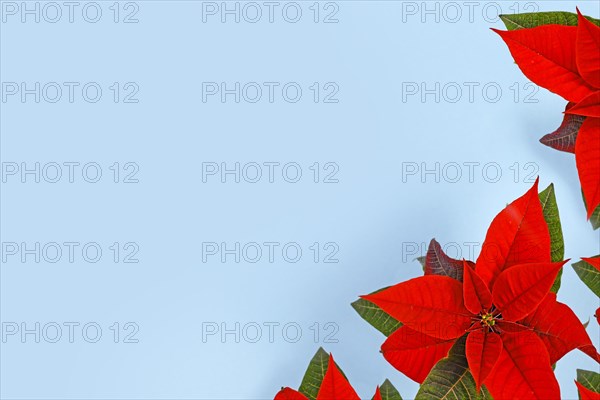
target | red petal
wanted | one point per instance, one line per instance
(546, 55)
(598, 315)
(560, 329)
(523, 370)
(335, 386)
(377, 394)
(483, 351)
(476, 294)
(511, 327)
(587, 157)
(413, 353)
(589, 106)
(563, 139)
(430, 304)
(519, 234)
(587, 50)
(585, 393)
(289, 394)
(520, 289)
(594, 262)
(438, 263)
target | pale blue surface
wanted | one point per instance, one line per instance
(370, 213)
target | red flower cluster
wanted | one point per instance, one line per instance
(516, 329)
(566, 61)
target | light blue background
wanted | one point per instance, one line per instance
(370, 213)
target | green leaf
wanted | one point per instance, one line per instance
(314, 374)
(450, 378)
(589, 379)
(375, 316)
(589, 275)
(423, 259)
(552, 217)
(556, 285)
(389, 392)
(595, 218)
(531, 20)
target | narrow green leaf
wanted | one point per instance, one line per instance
(314, 374)
(531, 20)
(389, 392)
(450, 378)
(589, 379)
(552, 217)
(595, 218)
(375, 316)
(556, 285)
(589, 275)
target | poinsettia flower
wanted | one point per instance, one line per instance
(515, 327)
(333, 387)
(566, 61)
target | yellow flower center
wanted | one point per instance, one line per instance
(488, 320)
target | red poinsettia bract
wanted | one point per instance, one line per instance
(566, 61)
(334, 387)
(516, 329)
(585, 393)
(593, 261)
